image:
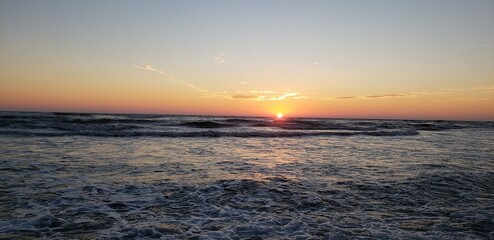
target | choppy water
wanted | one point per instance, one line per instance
(151, 176)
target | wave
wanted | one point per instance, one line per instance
(205, 134)
(245, 120)
(296, 124)
(117, 125)
(435, 126)
(105, 120)
(207, 124)
(72, 114)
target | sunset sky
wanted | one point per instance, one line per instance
(415, 59)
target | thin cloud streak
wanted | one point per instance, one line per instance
(269, 96)
(288, 95)
(263, 92)
(244, 96)
(390, 95)
(173, 79)
(341, 98)
(152, 69)
(489, 45)
(472, 99)
(387, 96)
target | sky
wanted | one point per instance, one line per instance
(412, 59)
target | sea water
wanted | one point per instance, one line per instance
(67, 176)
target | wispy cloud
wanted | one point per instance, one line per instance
(341, 98)
(238, 83)
(220, 59)
(392, 95)
(152, 69)
(473, 99)
(489, 45)
(263, 92)
(316, 68)
(268, 96)
(452, 89)
(244, 96)
(287, 95)
(170, 76)
(485, 89)
(389, 95)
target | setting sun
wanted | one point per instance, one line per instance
(279, 115)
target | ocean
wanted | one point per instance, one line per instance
(120, 176)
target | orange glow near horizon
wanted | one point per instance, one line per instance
(186, 102)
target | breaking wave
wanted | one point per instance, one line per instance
(125, 125)
(261, 134)
(208, 124)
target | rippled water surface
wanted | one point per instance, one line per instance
(57, 182)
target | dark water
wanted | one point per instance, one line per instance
(96, 176)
